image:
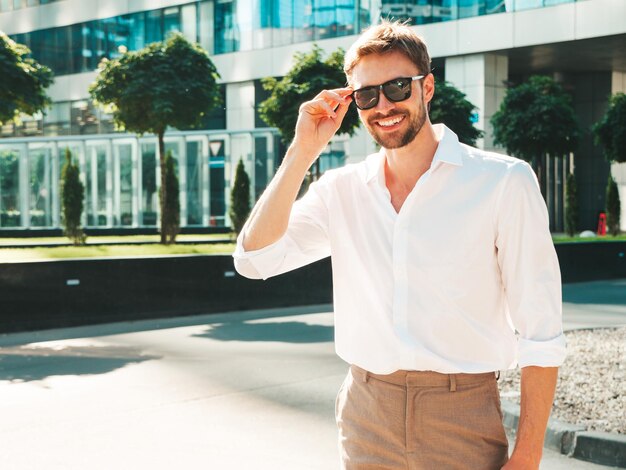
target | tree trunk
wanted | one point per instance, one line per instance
(162, 193)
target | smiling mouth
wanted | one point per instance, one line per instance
(390, 122)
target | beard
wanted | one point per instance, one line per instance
(397, 139)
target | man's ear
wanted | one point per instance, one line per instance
(428, 88)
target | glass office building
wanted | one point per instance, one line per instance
(220, 27)
(478, 45)
(121, 176)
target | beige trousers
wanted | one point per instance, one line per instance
(420, 420)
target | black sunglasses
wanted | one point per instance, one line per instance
(396, 90)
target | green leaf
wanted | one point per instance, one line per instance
(450, 107)
(27, 78)
(536, 118)
(610, 131)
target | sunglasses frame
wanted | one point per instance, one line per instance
(380, 88)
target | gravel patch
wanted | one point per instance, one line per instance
(591, 390)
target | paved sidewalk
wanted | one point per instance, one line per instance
(235, 391)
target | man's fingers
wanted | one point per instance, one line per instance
(318, 106)
(336, 91)
(328, 102)
(343, 109)
(338, 94)
(334, 97)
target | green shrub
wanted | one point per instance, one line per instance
(571, 205)
(613, 207)
(170, 222)
(72, 197)
(240, 199)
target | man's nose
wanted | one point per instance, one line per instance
(384, 104)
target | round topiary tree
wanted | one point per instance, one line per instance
(309, 75)
(27, 78)
(610, 131)
(167, 84)
(536, 118)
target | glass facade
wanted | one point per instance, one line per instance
(223, 26)
(121, 176)
(120, 172)
(81, 117)
(9, 188)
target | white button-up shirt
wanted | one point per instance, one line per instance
(464, 278)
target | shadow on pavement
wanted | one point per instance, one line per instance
(285, 332)
(24, 364)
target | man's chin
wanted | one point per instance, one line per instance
(397, 140)
(391, 142)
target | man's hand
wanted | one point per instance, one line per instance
(318, 120)
(538, 385)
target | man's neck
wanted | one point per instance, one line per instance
(404, 166)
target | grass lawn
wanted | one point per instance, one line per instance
(608, 238)
(97, 247)
(15, 255)
(23, 241)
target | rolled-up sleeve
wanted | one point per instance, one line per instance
(305, 241)
(530, 269)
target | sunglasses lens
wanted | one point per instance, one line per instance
(397, 90)
(366, 98)
(394, 90)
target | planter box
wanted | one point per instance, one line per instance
(592, 261)
(56, 294)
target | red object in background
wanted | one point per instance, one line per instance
(602, 224)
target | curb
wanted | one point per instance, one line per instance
(602, 448)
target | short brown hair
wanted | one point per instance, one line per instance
(388, 36)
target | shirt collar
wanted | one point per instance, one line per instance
(449, 151)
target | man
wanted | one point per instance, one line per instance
(444, 271)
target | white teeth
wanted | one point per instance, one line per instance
(390, 122)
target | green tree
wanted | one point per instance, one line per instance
(309, 75)
(170, 211)
(240, 198)
(451, 107)
(24, 81)
(610, 131)
(72, 200)
(571, 205)
(166, 84)
(613, 207)
(536, 118)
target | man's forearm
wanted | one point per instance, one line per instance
(538, 386)
(318, 120)
(269, 218)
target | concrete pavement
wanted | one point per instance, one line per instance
(252, 390)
